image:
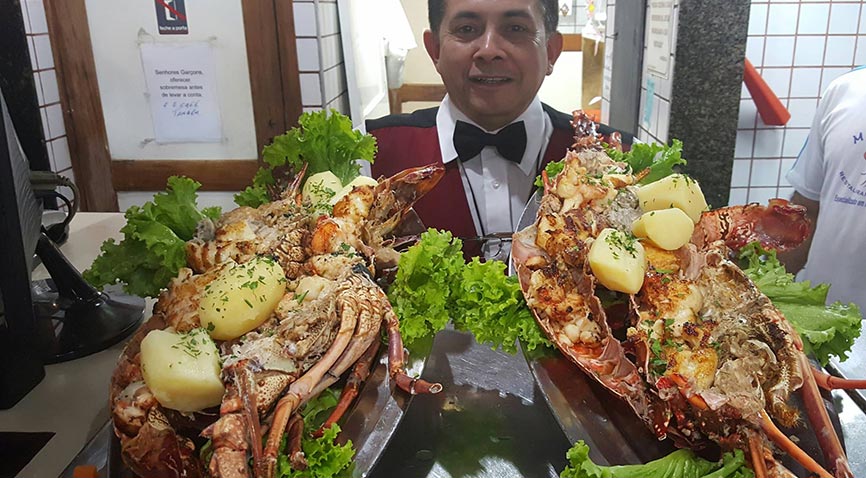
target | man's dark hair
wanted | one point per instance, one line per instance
(549, 8)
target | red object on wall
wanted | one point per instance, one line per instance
(771, 109)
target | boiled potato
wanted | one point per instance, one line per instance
(618, 261)
(182, 370)
(359, 181)
(241, 298)
(668, 229)
(676, 190)
(320, 188)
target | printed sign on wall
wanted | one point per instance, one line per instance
(181, 86)
(171, 17)
(659, 37)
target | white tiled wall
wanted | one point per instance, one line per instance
(653, 127)
(799, 47)
(48, 96)
(576, 16)
(320, 55)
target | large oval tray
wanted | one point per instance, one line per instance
(587, 411)
(373, 418)
(370, 423)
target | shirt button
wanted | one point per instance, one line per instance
(496, 184)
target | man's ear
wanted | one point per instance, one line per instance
(431, 44)
(554, 49)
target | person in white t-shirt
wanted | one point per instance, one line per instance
(829, 178)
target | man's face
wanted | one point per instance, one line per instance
(492, 56)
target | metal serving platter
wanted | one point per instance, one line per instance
(370, 422)
(587, 411)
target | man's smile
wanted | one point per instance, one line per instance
(490, 80)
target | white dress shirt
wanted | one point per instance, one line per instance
(496, 189)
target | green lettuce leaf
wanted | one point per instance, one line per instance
(153, 247)
(659, 158)
(325, 457)
(490, 304)
(421, 291)
(553, 168)
(324, 140)
(826, 330)
(434, 283)
(679, 464)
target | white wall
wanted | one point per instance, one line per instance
(116, 34)
(562, 90)
(799, 48)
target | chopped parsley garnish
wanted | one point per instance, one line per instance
(188, 343)
(319, 190)
(622, 241)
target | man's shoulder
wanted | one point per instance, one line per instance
(425, 118)
(559, 119)
(562, 121)
(849, 83)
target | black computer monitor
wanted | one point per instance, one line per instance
(20, 220)
(52, 320)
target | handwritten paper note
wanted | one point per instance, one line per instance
(180, 81)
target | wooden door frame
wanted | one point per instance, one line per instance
(274, 85)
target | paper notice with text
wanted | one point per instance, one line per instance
(659, 37)
(181, 85)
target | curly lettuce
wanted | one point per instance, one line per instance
(660, 159)
(490, 304)
(324, 140)
(435, 284)
(679, 464)
(826, 330)
(153, 247)
(325, 457)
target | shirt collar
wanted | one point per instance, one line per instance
(532, 117)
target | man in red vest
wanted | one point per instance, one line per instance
(491, 131)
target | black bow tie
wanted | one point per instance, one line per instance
(510, 141)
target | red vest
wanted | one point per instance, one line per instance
(412, 140)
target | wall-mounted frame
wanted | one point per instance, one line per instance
(274, 87)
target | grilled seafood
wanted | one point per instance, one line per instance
(704, 356)
(328, 321)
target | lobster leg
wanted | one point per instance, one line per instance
(789, 447)
(300, 391)
(830, 382)
(359, 373)
(294, 433)
(756, 449)
(247, 387)
(834, 454)
(396, 360)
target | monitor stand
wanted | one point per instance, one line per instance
(74, 319)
